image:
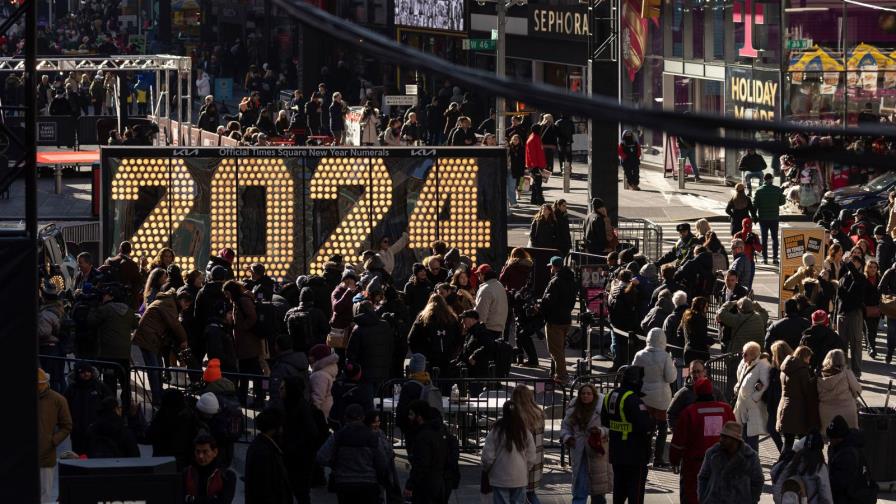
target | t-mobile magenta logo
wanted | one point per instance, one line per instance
(748, 12)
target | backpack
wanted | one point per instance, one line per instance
(230, 417)
(503, 358)
(793, 491)
(300, 321)
(432, 395)
(265, 321)
(452, 461)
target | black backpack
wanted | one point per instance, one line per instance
(265, 321)
(301, 321)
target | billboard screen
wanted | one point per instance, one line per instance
(292, 208)
(447, 15)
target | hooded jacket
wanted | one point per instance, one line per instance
(515, 274)
(559, 298)
(83, 398)
(659, 371)
(798, 409)
(821, 339)
(491, 304)
(355, 455)
(158, 322)
(657, 315)
(342, 306)
(837, 394)
(845, 467)
(113, 322)
(323, 375)
(735, 480)
(54, 425)
(371, 345)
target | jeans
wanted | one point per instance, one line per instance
(691, 156)
(659, 453)
(749, 274)
(509, 495)
(767, 226)
(748, 177)
(532, 497)
(511, 189)
(151, 359)
(770, 426)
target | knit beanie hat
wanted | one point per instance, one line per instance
(819, 317)
(808, 259)
(219, 274)
(213, 372)
(838, 429)
(417, 363)
(208, 403)
(319, 351)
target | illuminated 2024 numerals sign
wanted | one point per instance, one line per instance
(292, 209)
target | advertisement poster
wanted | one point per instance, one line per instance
(796, 241)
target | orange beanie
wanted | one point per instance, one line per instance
(212, 372)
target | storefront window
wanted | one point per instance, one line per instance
(698, 31)
(815, 97)
(718, 30)
(673, 16)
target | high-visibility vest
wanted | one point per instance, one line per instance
(623, 426)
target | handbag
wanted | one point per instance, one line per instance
(888, 305)
(872, 311)
(595, 442)
(336, 338)
(485, 486)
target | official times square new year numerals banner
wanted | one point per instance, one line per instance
(292, 208)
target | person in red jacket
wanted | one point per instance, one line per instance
(752, 244)
(629, 152)
(697, 429)
(535, 162)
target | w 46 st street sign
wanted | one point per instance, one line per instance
(479, 45)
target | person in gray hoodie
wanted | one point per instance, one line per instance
(657, 315)
(659, 372)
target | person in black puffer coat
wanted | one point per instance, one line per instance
(697, 273)
(108, 436)
(304, 431)
(304, 318)
(173, 428)
(395, 312)
(789, 329)
(623, 302)
(371, 344)
(821, 339)
(84, 394)
(357, 459)
(417, 290)
(350, 389)
(846, 463)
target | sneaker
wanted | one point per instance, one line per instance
(872, 353)
(775, 261)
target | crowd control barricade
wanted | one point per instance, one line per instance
(722, 371)
(471, 415)
(188, 381)
(641, 233)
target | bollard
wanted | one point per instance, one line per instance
(567, 170)
(681, 174)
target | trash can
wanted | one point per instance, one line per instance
(878, 426)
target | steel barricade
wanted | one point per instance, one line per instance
(722, 371)
(642, 233)
(471, 417)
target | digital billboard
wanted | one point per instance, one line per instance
(292, 208)
(446, 15)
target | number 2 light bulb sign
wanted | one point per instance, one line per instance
(293, 209)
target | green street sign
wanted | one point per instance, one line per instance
(479, 45)
(799, 44)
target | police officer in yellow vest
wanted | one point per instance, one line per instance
(630, 431)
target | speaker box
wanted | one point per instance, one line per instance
(144, 480)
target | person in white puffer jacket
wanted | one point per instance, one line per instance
(752, 380)
(659, 372)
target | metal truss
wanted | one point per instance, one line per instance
(603, 42)
(110, 63)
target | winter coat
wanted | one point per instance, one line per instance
(543, 233)
(438, 343)
(594, 229)
(789, 329)
(657, 315)
(211, 305)
(885, 252)
(851, 292)
(113, 322)
(837, 395)
(697, 340)
(516, 274)
(559, 298)
(248, 344)
(416, 295)
(736, 480)
(681, 251)
(768, 200)
(285, 365)
(296, 325)
(600, 472)
(491, 303)
(697, 273)
(683, 398)
(159, 325)
(507, 469)
(129, 275)
(698, 429)
(342, 307)
(798, 410)
(323, 374)
(428, 462)
(54, 425)
(267, 481)
(84, 398)
(110, 438)
(564, 237)
(371, 345)
(479, 347)
(659, 371)
(749, 408)
(535, 153)
(623, 306)
(745, 327)
(845, 468)
(355, 455)
(821, 339)
(49, 319)
(739, 212)
(671, 327)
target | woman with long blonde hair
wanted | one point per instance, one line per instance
(533, 417)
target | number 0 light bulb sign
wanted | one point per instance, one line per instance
(293, 209)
